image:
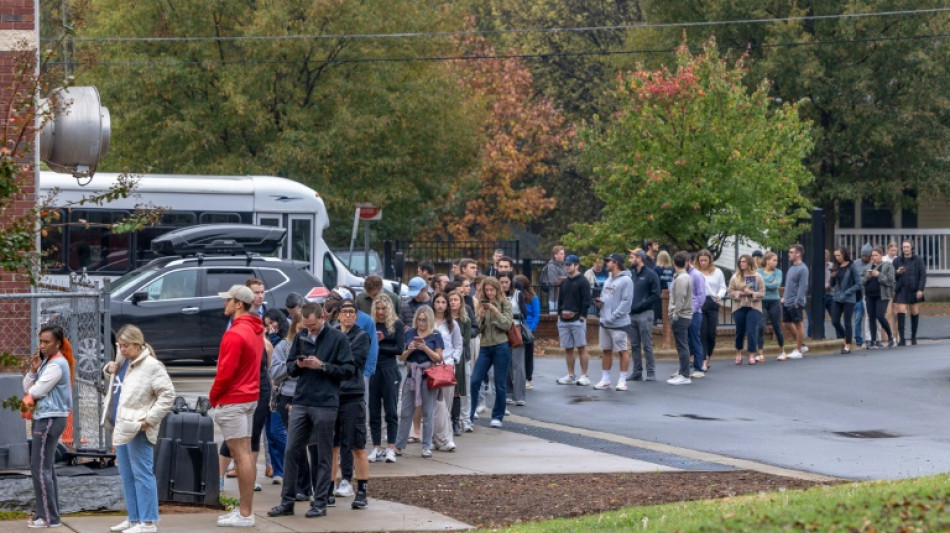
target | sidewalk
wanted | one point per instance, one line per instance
(486, 451)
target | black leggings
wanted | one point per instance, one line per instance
(528, 361)
(261, 414)
(837, 308)
(384, 394)
(772, 310)
(877, 309)
(709, 326)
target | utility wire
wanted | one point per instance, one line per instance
(567, 29)
(420, 59)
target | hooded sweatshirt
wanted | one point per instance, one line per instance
(615, 299)
(239, 362)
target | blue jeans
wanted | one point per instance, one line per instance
(499, 357)
(135, 462)
(695, 340)
(859, 322)
(276, 442)
(747, 325)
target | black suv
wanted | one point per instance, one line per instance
(174, 300)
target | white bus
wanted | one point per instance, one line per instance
(188, 200)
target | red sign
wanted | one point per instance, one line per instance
(370, 212)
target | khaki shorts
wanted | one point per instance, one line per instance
(235, 419)
(613, 339)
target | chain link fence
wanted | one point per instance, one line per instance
(81, 308)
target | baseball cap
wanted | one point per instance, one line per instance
(637, 252)
(758, 253)
(614, 257)
(416, 285)
(343, 293)
(572, 260)
(239, 293)
(347, 304)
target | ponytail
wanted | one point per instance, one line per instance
(67, 351)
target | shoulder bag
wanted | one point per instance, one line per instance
(441, 375)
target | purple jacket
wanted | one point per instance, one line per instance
(699, 289)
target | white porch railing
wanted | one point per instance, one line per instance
(932, 245)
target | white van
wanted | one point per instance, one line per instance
(86, 243)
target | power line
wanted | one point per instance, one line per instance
(567, 29)
(546, 55)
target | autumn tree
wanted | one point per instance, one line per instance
(875, 87)
(692, 157)
(522, 133)
(295, 89)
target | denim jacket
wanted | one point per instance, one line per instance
(846, 291)
(58, 401)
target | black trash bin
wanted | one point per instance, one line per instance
(186, 457)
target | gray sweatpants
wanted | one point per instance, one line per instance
(46, 434)
(641, 336)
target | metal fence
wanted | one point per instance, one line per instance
(82, 309)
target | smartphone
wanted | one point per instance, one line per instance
(301, 357)
(418, 340)
(485, 302)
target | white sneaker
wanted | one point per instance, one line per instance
(528, 385)
(604, 384)
(447, 447)
(697, 374)
(426, 453)
(621, 385)
(795, 354)
(495, 423)
(520, 403)
(344, 489)
(567, 380)
(258, 487)
(374, 455)
(507, 412)
(481, 409)
(583, 381)
(760, 358)
(466, 427)
(142, 528)
(227, 514)
(236, 520)
(390, 455)
(782, 357)
(122, 526)
(679, 380)
(509, 401)
(804, 348)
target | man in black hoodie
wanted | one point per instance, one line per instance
(572, 320)
(320, 359)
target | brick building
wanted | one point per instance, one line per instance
(17, 27)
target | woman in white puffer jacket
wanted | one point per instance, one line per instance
(140, 395)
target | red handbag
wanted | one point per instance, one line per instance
(438, 376)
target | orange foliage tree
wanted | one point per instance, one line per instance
(523, 134)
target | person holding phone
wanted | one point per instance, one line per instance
(48, 389)
(846, 282)
(139, 398)
(424, 347)
(493, 313)
(746, 288)
(384, 383)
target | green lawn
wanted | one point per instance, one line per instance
(921, 504)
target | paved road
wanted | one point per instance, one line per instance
(787, 414)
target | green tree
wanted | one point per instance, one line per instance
(874, 87)
(692, 157)
(330, 112)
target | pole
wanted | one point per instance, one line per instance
(356, 228)
(366, 249)
(816, 270)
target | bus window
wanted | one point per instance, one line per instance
(143, 239)
(51, 245)
(301, 238)
(220, 218)
(96, 248)
(329, 271)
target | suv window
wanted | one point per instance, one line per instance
(272, 278)
(221, 279)
(173, 285)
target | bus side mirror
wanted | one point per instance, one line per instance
(139, 297)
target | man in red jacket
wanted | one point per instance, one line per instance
(235, 392)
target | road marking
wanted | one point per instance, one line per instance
(743, 464)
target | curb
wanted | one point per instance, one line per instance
(816, 347)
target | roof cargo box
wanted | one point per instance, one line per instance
(207, 238)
